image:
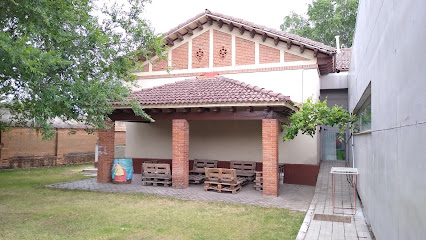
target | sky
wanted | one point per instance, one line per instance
(167, 14)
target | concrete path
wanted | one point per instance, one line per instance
(322, 204)
(293, 197)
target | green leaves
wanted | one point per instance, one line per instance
(313, 114)
(326, 19)
(58, 61)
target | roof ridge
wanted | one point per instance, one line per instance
(291, 36)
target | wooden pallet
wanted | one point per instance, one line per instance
(244, 169)
(156, 174)
(201, 164)
(219, 179)
(258, 182)
(196, 179)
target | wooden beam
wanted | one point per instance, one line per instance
(187, 110)
(127, 110)
(242, 30)
(190, 31)
(201, 110)
(267, 109)
(249, 109)
(179, 36)
(316, 52)
(264, 37)
(230, 27)
(210, 20)
(289, 43)
(302, 48)
(222, 115)
(200, 25)
(170, 42)
(220, 23)
(252, 33)
(232, 109)
(216, 109)
(156, 110)
(276, 41)
(170, 110)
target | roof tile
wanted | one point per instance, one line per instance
(206, 90)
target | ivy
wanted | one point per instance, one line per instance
(316, 113)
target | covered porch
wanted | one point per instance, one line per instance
(269, 108)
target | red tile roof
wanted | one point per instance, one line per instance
(213, 90)
(343, 59)
(262, 29)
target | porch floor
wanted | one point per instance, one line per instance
(293, 197)
(322, 203)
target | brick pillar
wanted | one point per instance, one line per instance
(270, 157)
(180, 161)
(106, 153)
(59, 147)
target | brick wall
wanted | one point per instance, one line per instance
(180, 57)
(222, 41)
(270, 156)
(180, 153)
(201, 44)
(268, 54)
(105, 154)
(159, 65)
(288, 57)
(245, 52)
(24, 148)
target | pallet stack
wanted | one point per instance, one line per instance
(220, 180)
(156, 174)
(197, 174)
(258, 182)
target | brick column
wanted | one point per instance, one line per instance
(180, 161)
(106, 153)
(270, 157)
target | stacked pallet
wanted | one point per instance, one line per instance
(156, 174)
(258, 182)
(244, 169)
(219, 179)
(198, 170)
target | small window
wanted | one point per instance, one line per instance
(364, 114)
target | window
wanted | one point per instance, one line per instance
(364, 114)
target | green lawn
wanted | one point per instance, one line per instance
(28, 210)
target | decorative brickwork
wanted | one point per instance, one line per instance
(201, 42)
(180, 161)
(106, 153)
(222, 42)
(160, 65)
(268, 54)
(244, 51)
(288, 57)
(270, 157)
(180, 57)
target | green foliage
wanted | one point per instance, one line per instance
(58, 61)
(326, 19)
(313, 114)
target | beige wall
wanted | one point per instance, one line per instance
(218, 140)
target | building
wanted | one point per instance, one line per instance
(226, 85)
(386, 88)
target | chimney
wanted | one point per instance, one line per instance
(338, 43)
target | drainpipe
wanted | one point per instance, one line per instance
(338, 43)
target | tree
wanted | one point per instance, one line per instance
(313, 114)
(326, 19)
(58, 60)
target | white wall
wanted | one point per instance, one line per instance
(216, 140)
(389, 51)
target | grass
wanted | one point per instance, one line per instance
(29, 210)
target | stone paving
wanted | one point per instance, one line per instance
(322, 204)
(293, 197)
